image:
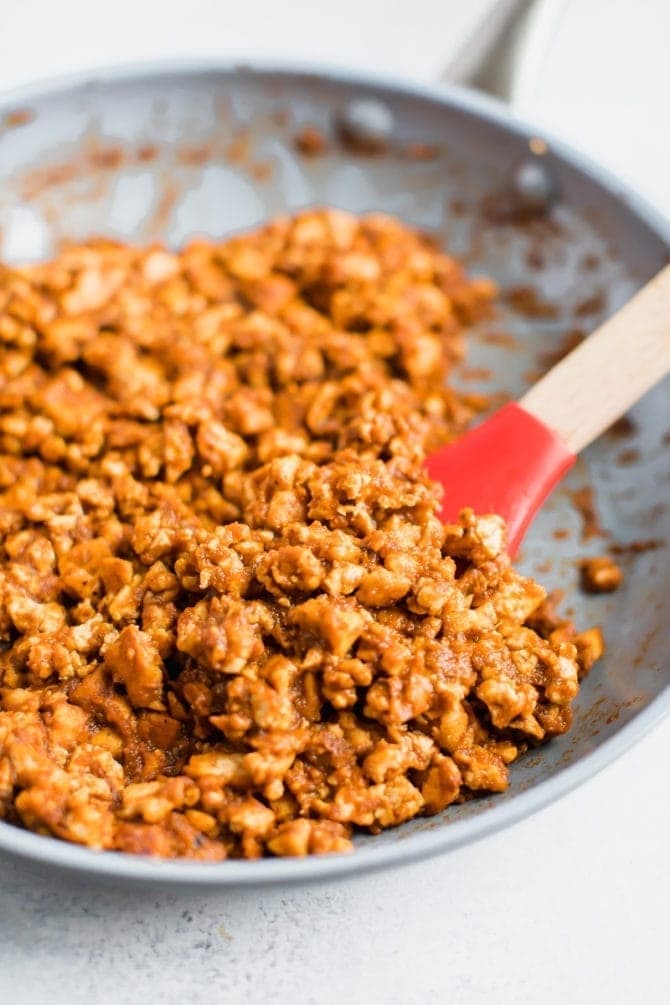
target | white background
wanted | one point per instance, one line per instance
(570, 906)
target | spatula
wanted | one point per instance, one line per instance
(511, 462)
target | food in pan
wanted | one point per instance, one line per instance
(600, 574)
(232, 624)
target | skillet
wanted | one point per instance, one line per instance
(173, 150)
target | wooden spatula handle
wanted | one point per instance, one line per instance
(597, 382)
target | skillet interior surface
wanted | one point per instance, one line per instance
(179, 151)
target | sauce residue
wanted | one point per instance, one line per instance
(583, 499)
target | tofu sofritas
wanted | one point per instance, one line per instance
(231, 622)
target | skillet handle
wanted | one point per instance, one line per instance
(504, 52)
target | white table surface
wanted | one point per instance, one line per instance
(570, 906)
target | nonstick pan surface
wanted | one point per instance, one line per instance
(177, 150)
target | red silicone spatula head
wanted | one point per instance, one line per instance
(507, 465)
(510, 463)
